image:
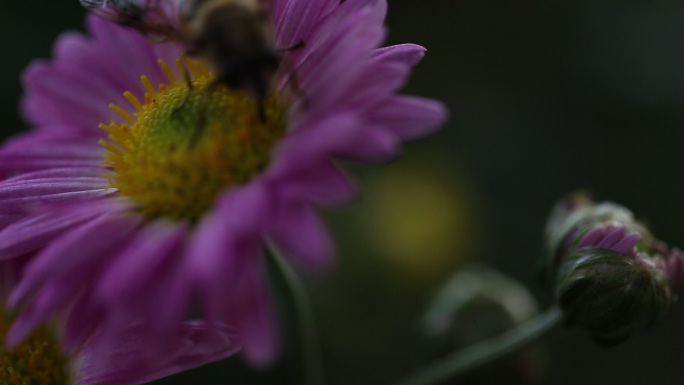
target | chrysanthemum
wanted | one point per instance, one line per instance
(161, 214)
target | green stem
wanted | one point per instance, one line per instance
(482, 353)
(300, 304)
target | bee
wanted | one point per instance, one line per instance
(234, 36)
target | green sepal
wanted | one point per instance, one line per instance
(610, 295)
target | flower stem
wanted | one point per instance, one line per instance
(485, 352)
(299, 303)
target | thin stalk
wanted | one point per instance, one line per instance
(485, 352)
(300, 305)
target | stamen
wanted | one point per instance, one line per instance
(194, 69)
(122, 112)
(110, 147)
(133, 100)
(148, 86)
(167, 70)
(117, 132)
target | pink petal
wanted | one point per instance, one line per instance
(34, 232)
(613, 236)
(315, 141)
(386, 71)
(128, 53)
(211, 262)
(376, 144)
(67, 97)
(50, 149)
(338, 54)
(627, 244)
(592, 237)
(406, 54)
(245, 209)
(298, 231)
(294, 19)
(22, 194)
(323, 183)
(81, 321)
(409, 116)
(194, 344)
(146, 257)
(254, 319)
(215, 260)
(57, 173)
(72, 251)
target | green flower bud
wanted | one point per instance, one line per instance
(610, 296)
(610, 275)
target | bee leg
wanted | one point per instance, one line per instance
(199, 128)
(294, 47)
(188, 81)
(186, 76)
(259, 89)
(201, 123)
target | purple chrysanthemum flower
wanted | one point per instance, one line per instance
(132, 227)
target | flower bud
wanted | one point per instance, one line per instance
(609, 274)
(610, 296)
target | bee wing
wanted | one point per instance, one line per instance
(120, 11)
(157, 19)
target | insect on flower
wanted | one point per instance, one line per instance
(175, 278)
(234, 36)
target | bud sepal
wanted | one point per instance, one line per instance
(610, 296)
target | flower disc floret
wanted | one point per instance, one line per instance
(188, 142)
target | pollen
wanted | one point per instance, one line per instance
(37, 361)
(188, 140)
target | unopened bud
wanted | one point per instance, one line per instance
(610, 296)
(608, 272)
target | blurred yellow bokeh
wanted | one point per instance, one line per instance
(422, 219)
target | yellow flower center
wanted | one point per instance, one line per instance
(186, 143)
(37, 361)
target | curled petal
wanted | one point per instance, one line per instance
(194, 344)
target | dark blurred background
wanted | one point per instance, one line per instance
(546, 97)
